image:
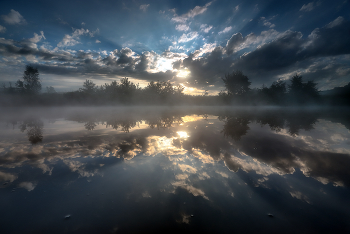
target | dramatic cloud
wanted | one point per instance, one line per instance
(14, 17)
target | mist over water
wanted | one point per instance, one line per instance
(174, 169)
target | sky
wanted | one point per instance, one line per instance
(193, 43)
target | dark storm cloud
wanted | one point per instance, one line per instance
(235, 41)
(125, 56)
(287, 52)
(208, 69)
(291, 47)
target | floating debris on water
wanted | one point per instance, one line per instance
(5, 183)
(192, 215)
(67, 217)
(270, 215)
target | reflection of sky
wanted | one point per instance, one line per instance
(189, 159)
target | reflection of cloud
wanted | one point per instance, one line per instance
(7, 176)
(27, 185)
(187, 168)
(79, 167)
(320, 153)
(185, 218)
(203, 176)
(146, 194)
(181, 177)
(300, 196)
(194, 191)
(222, 174)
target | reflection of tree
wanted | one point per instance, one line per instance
(299, 121)
(13, 123)
(235, 126)
(90, 125)
(165, 121)
(125, 124)
(34, 128)
(293, 121)
(275, 121)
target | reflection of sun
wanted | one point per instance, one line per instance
(182, 134)
(183, 73)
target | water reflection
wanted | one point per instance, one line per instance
(187, 162)
(34, 129)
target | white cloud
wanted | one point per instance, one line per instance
(68, 41)
(267, 23)
(192, 13)
(31, 42)
(207, 48)
(14, 17)
(335, 22)
(236, 9)
(227, 29)
(144, 7)
(71, 40)
(307, 7)
(205, 28)
(237, 42)
(2, 29)
(182, 27)
(97, 41)
(188, 37)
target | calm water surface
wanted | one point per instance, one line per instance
(161, 170)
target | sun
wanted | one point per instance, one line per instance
(184, 73)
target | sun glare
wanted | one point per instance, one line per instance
(183, 73)
(182, 134)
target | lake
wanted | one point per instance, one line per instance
(174, 169)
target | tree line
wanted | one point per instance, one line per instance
(297, 92)
(237, 92)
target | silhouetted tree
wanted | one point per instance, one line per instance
(278, 91)
(89, 87)
(127, 88)
(301, 93)
(236, 83)
(50, 90)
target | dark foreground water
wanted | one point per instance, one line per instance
(163, 170)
